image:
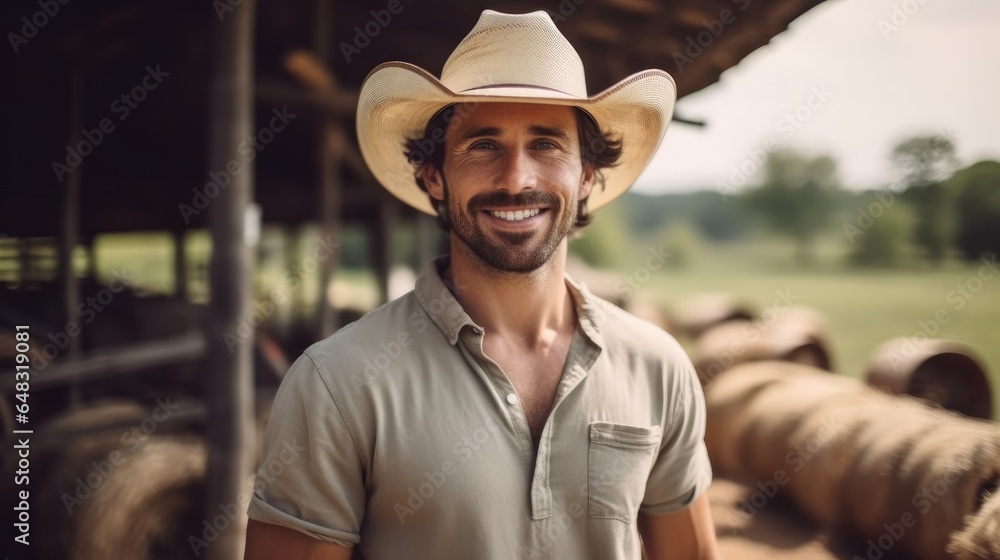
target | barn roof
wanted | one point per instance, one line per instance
(154, 154)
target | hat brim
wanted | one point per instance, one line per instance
(398, 99)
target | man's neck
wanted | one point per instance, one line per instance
(528, 307)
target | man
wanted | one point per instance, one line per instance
(498, 411)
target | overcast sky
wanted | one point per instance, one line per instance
(939, 71)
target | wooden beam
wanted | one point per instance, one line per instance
(107, 364)
(229, 383)
(337, 104)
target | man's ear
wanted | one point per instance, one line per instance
(433, 182)
(587, 180)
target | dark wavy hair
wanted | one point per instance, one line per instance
(598, 148)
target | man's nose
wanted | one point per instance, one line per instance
(517, 172)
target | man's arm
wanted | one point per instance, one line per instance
(266, 541)
(684, 535)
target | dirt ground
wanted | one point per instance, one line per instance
(773, 531)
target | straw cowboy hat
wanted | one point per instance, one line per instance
(508, 58)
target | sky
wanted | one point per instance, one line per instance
(838, 82)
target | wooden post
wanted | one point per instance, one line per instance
(70, 227)
(229, 379)
(330, 156)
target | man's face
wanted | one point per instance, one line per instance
(512, 180)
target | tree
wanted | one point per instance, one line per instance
(883, 243)
(925, 162)
(797, 197)
(977, 192)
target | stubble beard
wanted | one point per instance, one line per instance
(510, 251)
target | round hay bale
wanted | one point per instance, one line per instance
(945, 372)
(720, 348)
(696, 314)
(870, 496)
(825, 446)
(980, 537)
(726, 401)
(775, 414)
(142, 506)
(798, 335)
(645, 308)
(946, 476)
(71, 459)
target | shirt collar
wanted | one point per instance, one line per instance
(440, 304)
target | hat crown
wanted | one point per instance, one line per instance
(515, 50)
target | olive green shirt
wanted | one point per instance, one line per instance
(416, 445)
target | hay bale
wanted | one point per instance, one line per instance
(980, 537)
(871, 495)
(64, 458)
(775, 415)
(797, 335)
(889, 462)
(825, 446)
(140, 508)
(945, 475)
(726, 402)
(944, 372)
(696, 314)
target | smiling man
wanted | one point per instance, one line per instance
(500, 410)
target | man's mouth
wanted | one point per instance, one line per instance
(515, 215)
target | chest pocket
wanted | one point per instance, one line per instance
(620, 458)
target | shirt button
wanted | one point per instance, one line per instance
(512, 398)
(476, 330)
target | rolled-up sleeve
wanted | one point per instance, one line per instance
(682, 470)
(311, 476)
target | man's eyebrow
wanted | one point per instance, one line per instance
(535, 130)
(485, 131)
(548, 131)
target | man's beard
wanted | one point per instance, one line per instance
(511, 251)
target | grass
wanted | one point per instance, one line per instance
(864, 307)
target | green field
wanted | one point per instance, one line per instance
(864, 307)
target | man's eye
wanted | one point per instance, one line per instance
(484, 145)
(546, 145)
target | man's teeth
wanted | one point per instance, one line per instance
(516, 215)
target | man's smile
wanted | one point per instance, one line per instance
(515, 215)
